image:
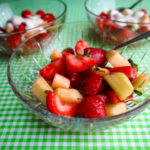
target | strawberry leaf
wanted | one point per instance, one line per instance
(134, 65)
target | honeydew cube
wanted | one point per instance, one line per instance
(60, 81)
(140, 82)
(55, 54)
(120, 83)
(39, 88)
(115, 109)
(71, 96)
(116, 59)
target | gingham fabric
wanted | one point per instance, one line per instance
(21, 130)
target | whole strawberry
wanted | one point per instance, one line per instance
(93, 106)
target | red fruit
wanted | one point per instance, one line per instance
(112, 97)
(124, 69)
(92, 85)
(80, 46)
(98, 54)
(48, 17)
(134, 73)
(22, 27)
(14, 40)
(41, 13)
(89, 72)
(78, 64)
(68, 50)
(143, 10)
(42, 37)
(143, 29)
(31, 44)
(2, 29)
(56, 106)
(93, 106)
(57, 66)
(130, 96)
(26, 13)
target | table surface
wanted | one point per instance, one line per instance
(21, 130)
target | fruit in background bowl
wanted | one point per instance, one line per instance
(83, 85)
(122, 25)
(28, 24)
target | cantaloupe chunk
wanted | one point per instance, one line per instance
(115, 109)
(39, 88)
(60, 81)
(71, 96)
(55, 54)
(116, 59)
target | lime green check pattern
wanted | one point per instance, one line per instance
(20, 130)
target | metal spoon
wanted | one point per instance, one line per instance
(132, 6)
(140, 37)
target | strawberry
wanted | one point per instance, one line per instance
(14, 40)
(93, 106)
(78, 64)
(80, 46)
(2, 29)
(42, 37)
(41, 13)
(124, 69)
(57, 66)
(31, 44)
(143, 29)
(89, 72)
(68, 50)
(56, 106)
(26, 13)
(92, 84)
(48, 17)
(112, 97)
(143, 10)
(98, 54)
(22, 27)
(134, 73)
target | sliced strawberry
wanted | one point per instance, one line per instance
(143, 29)
(134, 73)
(42, 37)
(68, 50)
(98, 54)
(89, 72)
(56, 106)
(92, 85)
(112, 97)
(78, 64)
(124, 69)
(31, 44)
(57, 66)
(14, 40)
(48, 17)
(22, 27)
(143, 10)
(93, 106)
(2, 29)
(80, 46)
(130, 96)
(26, 13)
(41, 13)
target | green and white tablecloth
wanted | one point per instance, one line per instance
(21, 130)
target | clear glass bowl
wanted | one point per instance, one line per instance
(24, 69)
(107, 27)
(14, 8)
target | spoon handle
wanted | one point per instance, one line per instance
(140, 37)
(135, 4)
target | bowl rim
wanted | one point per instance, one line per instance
(97, 16)
(49, 23)
(65, 118)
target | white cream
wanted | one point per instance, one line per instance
(17, 20)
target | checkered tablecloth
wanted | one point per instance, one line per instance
(21, 130)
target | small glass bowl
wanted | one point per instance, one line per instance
(14, 8)
(24, 69)
(107, 27)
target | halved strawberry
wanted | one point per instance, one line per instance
(143, 10)
(93, 106)
(80, 46)
(112, 97)
(48, 17)
(14, 40)
(56, 106)
(2, 29)
(92, 85)
(68, 50)
(26, 13)
(89, 72)
(98, 54)
(124, 69)
(57, 66)
(41, 13)
(143, 29)
(78, 64)
(22, 27)
(42, 37)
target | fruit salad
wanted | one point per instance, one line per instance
(26, 25)
(79, 83)
(122, 25)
